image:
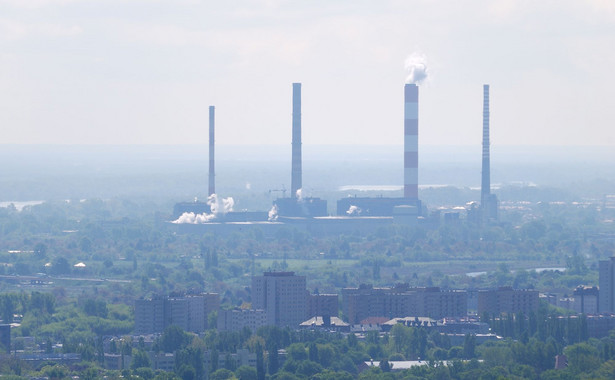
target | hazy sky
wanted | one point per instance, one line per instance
(145, 71)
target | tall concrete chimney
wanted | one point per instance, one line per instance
(212, 170)
(411, 141)
(295, 182)
(485, 187)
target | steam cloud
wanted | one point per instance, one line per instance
(416, 68)
(300, 195)
(273, 214)
(216, 205)
(353, 211)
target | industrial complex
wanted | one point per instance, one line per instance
(353, 214)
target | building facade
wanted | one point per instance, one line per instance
(402, 301)
(188, 312)
(507, 300)
(322, 305)
(586, 300)
(282, 295)
(606, 282)
(238, 319)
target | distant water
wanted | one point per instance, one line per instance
(370, 188)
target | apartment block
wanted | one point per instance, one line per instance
(237, 319)
(507, 300)
(606, 282)
(402, 301)
(282, 295)
(188, 312)
(319, 305)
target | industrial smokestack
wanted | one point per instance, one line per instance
(212, 173)
(295, 182)
(485, 189)
(411, 141)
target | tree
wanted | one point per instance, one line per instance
(385, 366)
(246, 373)
(173, 338)
(187, 372)
(40, 250)
(60, 266)
(469, 345)
(140, 359)
(222, 374)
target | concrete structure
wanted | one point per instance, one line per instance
(507, 300)
(402, 301)
(149, 315)
(606, 282)
(488, 201)
(188, 312)
(237, 319)
(301, 207)
(296, 174)
(586, 300)
(411, 141)
(298, 205)
(283, 297)
(212, 166)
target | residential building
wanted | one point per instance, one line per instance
(237, 319)
(322, 305)
(282, 295)
(507, 300)
(586, 300)
(188, 312)
(606, 282)
(402, 301)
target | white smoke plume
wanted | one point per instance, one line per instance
(353, 211)
(220, 205)
(273, 214)
(216, 205)
(416, 68)
(192, 218)
(300, 195)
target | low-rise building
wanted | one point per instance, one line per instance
(237, 319)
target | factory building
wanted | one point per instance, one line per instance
(368, 206)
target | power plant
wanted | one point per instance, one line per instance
(391, 206)
(361, 214)
(298, 205)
